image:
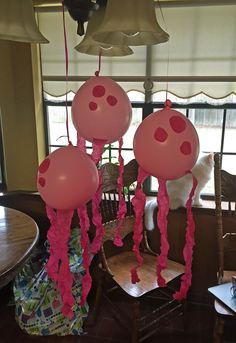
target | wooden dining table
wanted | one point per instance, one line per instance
(18, 236)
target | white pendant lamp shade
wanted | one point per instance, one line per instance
(90, 47)
(130, 22)
(17, 22)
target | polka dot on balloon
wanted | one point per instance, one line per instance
(111, 100)
(42, 181)
(177, 124)
(186, 148)
(160, 134)
(98, 91)
(44, 166)
(93, 106)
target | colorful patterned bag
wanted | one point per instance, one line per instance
(38, 303)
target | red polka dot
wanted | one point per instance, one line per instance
(98, 91)
(111, 100)
(44, 166)
(160, 134)
(186, 148)
(42, 181)
(93, 106)
(178, 124)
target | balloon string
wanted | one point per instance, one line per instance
(66, 60)
(99, 64)
(168, 51)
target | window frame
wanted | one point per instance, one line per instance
(147, 109)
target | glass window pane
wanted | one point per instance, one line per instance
(127, 155)
(52, 148)
(153, 184)
(229, 163)
(136, 120)
(109, 155)
(136, 96)
(57, 134)
(208, 123)
(230, 132)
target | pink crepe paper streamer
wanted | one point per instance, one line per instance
(97, 218)
(122, 209)
(58, 267)
(85, 244)
(163, 209)
(98, 147)
(84, 240)
(188, 248)
(81, 143)
(138, 202)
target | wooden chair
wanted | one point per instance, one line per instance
(225, 191)
(115, 284)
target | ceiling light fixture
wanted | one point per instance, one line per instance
(130, 22)
(90, 47)
(17, 22)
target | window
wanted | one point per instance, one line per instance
(56, 127)
(214, 120)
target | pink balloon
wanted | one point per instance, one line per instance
(101, 110)
(166, 144)
(67, 178)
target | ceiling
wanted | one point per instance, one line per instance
(164, 3)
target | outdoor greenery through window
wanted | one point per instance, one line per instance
(214, 120)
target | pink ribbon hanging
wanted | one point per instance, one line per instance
(186, 279)
(138, 202)
(58, 267)
(122, 209)
(163, 209)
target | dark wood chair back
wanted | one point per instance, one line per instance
(110, 203)
(225, 192)
(114, 285)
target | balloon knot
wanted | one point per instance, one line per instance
(97, 73)
(168, 103)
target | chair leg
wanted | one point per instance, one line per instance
(218, 330)
(185, 315)
(135, 312)
(97, 303)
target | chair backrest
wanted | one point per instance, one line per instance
(225, 191)
(110, 174)
(110, 201)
